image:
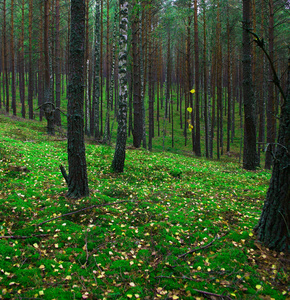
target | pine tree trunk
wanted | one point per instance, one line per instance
(137, 105)
(250, 159)
(13, 87)
(273, 229)
(30, 71)
(96, 85)
(270, 103)
(21, 67)
(57, 66)
(120, 150)
(77, 179)
(197, 148)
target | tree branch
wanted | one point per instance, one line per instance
(21, 237)
(83, 209)
(260, 43)
(202, 247)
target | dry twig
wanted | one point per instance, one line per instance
(80, 210)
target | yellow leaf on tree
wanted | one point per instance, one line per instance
(192, 91)
(189, 109)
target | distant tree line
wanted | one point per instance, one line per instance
(173, 47)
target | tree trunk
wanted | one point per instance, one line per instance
(197, 149)
(13, 87)
(57, 66)
(77, 179)
(137, 105)
(273, 229)
(120, 150)
(30, 72)
(250, 159)
(96, 85)
(21, 65)
(270, 103)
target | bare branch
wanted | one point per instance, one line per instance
(83, 209)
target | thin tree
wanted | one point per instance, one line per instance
(96, 85)
(138, 117)
(30, 68)
(21, 63)
(250, 160)
(120, 150)
(13, 87)
(77, 180)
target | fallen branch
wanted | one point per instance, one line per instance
(198, 291)
(77, 211)
(21, 237)
(202, 247)
(213, 294)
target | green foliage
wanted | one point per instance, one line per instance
(174, 204)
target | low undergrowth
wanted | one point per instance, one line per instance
(169, 227)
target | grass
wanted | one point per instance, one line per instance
(173, 205)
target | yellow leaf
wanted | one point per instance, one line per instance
(35, 245)
(4, 291)
(175, 297)
(189, 109)
(192, 91)
(258, 286)
(132, 284)
(41, 293)
(68, 277)
(129, 296)
(137, 295)
(41, 267)
(250, 234)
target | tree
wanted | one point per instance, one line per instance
(250, 159)
(138, 117)
(120, 151)
(77, 179)
(273, 229)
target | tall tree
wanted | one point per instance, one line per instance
(13, 87)
(250, 159)
(96, 85)
(21, 63)
(58, 62)
(120, 151)
(138, 117)
(270, 103)
(30, 67)
(197, 149)
(273, 228)
(77, 178)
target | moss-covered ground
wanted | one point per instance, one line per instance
(170, 227)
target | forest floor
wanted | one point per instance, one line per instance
(170, 227)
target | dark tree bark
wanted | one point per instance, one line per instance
(13, 85)
(30, 71)
(197, 148)
(96, 85)
(120, 150)
(21, 63)
(250, 159)
(274, 226)
(58, 63)
(270, 103)
(5, 61)
(137, 104)
(77, 178)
